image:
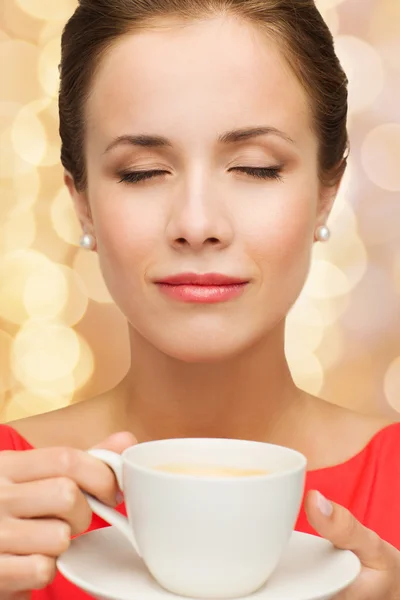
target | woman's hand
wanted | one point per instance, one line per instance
(42, 505)
(380, 575)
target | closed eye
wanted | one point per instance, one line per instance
(256, 172)
(137, 176)
(260, 172)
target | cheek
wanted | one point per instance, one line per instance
(127, 233)
(279, 240)
(281, 229)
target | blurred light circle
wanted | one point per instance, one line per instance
(384, 22)
(45, 292)
(25, 188)
(19, 24)
(16, 57)
(364, 68)
(19, 229)
(304, 329)
(86, 265)
(380, 155)
(301, 338)
(346, 251)
(12, 411)
(85, 367)
(8, 112)
(28, 136)
(323, 5)
(389, 50)
(307, 373)
(374, 310)
(49, 60)
(379, 221)
(45, 351)
(331, 309)
(63, 387)
(48, 10)
(64, 219)
(326, 280)
(330, 351)
(306, 311)
(76, 302)
(47, 113)
(26, 403)
(392, 384)
(15, 269)
(342, 209)
(49, 31)
(11, 164)
(6, 377)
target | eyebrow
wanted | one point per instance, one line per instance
(240, 135)
(145, 141)
(229, 137)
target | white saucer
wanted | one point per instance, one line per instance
(104, 565)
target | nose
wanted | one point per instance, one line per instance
(199, 220)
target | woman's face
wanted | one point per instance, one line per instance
(213, 120)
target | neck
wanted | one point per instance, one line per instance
(251, 396)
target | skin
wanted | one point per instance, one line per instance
(201, 215)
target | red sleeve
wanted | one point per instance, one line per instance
(11, 440)
(368, 485)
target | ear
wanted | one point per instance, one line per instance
(327, 195)
(81, 204)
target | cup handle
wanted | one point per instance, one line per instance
(114, 461)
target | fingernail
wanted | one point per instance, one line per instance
(325, 507)
(119, 497)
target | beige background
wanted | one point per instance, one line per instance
(61, 337)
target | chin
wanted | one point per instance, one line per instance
(205, 347)
(200, 355)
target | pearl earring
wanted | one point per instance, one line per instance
(87, 241)
(322, 233)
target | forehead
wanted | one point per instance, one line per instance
(212, 75)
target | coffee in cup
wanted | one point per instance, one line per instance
(208, 470)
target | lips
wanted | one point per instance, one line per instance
(207, 279)
(207, 288)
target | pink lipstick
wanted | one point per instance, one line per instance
(202, 288)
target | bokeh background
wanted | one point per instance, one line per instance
(61, 337)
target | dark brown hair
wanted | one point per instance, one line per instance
(296, 25)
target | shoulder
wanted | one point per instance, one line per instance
(345, 433)
(78, 425)
(387, 441)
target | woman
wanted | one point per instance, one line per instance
(203, 143)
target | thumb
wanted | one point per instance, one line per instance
(117, 442)
(336, 524)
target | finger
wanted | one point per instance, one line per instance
(58, 498)
(118, 442)
(339, 526)
(24, 573)
(50, 537)
(88, 472)
(369, 585)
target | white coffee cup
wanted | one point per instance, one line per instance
(206, 536)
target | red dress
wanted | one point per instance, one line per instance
(368, 485)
